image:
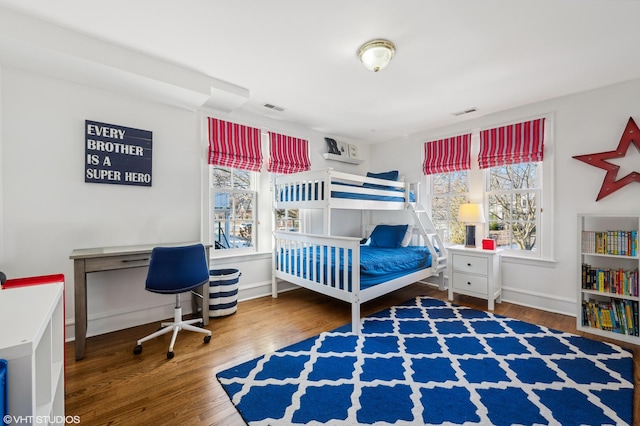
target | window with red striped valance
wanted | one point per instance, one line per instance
(288, 154)
(234, 145)
(513, 144)
(447, 155)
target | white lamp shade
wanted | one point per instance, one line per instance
(471, 213)
(376, 54)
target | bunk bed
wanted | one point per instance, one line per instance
(341, 267)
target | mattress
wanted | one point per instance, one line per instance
(377, 264)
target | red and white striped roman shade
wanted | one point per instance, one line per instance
(447, 155)
(513, 144)
(288, 154)
(234, 145)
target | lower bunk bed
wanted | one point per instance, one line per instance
(342, 268)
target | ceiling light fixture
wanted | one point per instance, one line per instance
(376, 54)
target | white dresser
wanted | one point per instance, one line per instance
(475, 272)
(32, 342)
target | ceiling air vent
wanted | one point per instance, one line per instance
(273, 107)
(466, 111)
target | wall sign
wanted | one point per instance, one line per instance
(117, 154)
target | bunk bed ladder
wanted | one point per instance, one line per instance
(428, 231)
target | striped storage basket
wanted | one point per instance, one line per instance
(223, 292)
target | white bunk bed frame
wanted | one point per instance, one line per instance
(318, 186)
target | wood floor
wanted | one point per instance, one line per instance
(112, 386)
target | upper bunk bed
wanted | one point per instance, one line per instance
(331, 189)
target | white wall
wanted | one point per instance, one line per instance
(52, 80)
(49, 210)
(584, 123)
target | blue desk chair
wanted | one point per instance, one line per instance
(175, 270)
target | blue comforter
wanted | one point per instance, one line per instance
(377, 264)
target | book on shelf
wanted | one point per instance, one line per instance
(616, 315)
(610, 280)
(613, 242)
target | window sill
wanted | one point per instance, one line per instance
(531, 261)
(246, 255)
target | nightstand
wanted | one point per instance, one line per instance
(475, 272)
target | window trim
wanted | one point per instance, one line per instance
(211, 213)
(539, 193)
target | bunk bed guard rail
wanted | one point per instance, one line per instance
(316, 188)
(325, 261)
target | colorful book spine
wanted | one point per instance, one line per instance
(618, 316)
(631, 314)
(612, 242)
(605, 280)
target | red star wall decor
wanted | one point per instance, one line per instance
(611, 184)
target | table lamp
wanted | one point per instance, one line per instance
(470, 213)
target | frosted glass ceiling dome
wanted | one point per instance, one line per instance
(376, 54)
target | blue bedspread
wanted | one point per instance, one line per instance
(377, 264)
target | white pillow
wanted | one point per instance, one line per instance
(407, 237)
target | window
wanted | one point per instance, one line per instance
(512, 157)
(513, 194)
(513, 178)
(234, 199)
(288, 220)
(448, 162)
(287, 154)
(235, 160)
(234, 180)
(448, 191)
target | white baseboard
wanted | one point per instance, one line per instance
(107, 322)
(537, 300)
(254, 291)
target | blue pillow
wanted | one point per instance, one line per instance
(392, 175)
(390, 236)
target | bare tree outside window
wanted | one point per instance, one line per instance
(448, 191)
(288, 220)
(513, 194)
(234, 199)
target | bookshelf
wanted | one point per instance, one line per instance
(608, 276)
(32, 342)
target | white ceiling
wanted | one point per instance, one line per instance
(452, 55)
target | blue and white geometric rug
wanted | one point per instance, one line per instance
(430, 362)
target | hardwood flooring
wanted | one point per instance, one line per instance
(112, 386)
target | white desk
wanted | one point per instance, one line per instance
(101, 259)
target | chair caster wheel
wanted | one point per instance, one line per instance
(137, 350)
(207, 339)
(169, 355)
